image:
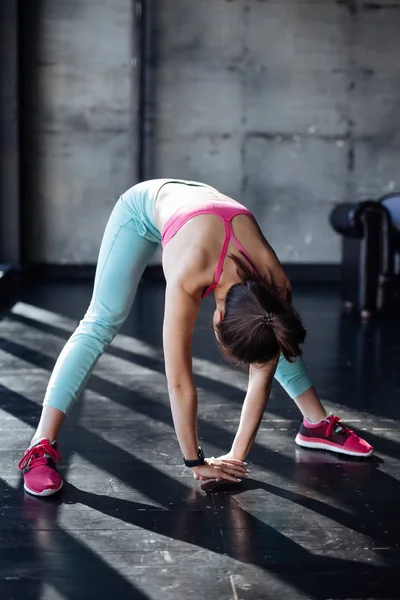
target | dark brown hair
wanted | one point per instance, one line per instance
(259, 323)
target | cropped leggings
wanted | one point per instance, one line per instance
(129, 242)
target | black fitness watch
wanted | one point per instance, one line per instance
(197, 462)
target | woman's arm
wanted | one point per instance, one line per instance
(181, 310)
(258, 392)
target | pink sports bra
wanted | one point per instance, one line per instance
(226, 211)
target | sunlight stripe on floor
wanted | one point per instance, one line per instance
(216, 372)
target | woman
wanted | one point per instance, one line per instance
(254, 324)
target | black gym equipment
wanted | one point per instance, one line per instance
(371, 254)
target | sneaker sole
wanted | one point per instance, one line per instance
(48, 492)
(321, 446)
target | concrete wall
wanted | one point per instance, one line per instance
(288, 105)
(9, 135)
(79, 143)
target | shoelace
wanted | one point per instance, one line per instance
(335, 422)
(38, 454)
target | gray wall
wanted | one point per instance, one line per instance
(9, 135)
(288, 105)
(80, 151)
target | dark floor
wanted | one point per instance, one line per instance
(131, 522)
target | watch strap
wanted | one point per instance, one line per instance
(196, 462)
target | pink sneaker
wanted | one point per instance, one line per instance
(331, 434)
(39, 466)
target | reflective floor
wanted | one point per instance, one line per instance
(132, 523)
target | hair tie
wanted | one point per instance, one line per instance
(267, 319)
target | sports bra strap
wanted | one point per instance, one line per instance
(221, 260)
(228, 237)
(243, 251)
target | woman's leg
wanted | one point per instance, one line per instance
(310, 406)
(123, 257)
(294, 379)
(317, 429)
(49, 425)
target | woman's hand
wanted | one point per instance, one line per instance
(224, 468)
(231, 456)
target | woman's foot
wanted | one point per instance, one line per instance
(331, 434)
(39, 466)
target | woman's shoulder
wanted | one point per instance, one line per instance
(191, 270)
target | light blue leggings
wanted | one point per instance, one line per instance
(129, 242)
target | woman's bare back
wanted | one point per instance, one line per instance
(194, 251)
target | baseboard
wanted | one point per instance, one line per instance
(297, 273)
(65, 271)
(313, 273)
(9, 281)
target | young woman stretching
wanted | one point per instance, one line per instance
(211, 243)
